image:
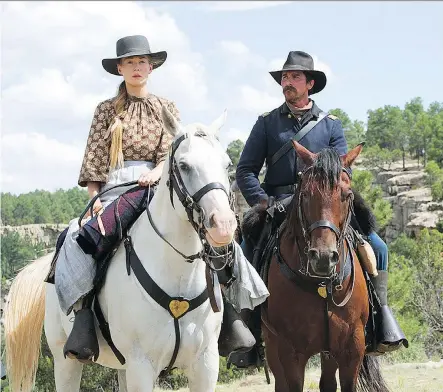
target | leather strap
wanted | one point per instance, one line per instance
(104, 328)
(326, 224)
(298, 136)
(153, 289)
(280, 190)
(209, 187)
(159, 296)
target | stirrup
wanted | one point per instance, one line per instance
(390, 336)
(82, 343)
(235, 336)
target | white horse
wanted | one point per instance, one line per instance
(142, 330)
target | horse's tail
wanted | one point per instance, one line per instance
(370, 378)
(23, 323)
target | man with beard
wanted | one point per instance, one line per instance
(272, 130)
(301, 119)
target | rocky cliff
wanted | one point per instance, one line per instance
(46, 233)
(410, 197)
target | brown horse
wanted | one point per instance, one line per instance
(319, 298)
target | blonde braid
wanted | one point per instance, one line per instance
(116, 128)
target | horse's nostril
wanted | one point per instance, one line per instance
(334, 257)
(212, 221)
(313, 254)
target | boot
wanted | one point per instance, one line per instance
(82, 343)
(234, 335)
(254, 357)
(389, 336)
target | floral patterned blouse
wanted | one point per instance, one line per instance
(143, 139)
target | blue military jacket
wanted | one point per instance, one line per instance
(270, 132)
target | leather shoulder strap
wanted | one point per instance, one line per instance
(298, 136)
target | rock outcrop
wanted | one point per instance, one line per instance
(46, 233)
(410, 198)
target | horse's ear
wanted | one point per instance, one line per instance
(219, 122)
(349, 158)
(305, 155)
(170, 122)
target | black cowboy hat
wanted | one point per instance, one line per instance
(134, 45)
(301, 61)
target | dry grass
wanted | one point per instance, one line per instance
(411, 377)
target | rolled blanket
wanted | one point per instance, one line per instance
(117, 218)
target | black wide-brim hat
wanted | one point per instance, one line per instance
(301, 61)
(134, 45)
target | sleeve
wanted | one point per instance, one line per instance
(338, 139)
(166, 137)
(251, 161)
(96, 157)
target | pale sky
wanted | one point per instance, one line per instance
(219, 56)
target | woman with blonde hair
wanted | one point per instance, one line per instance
(127, 142)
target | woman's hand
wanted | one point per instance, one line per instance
(98, 207)
(93, 189)
(149, 177)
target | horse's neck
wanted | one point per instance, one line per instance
(293, 234)
(164, 264)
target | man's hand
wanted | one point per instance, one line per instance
(264, 203)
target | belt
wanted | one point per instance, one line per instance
(280, 190)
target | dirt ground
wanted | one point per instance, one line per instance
(410, 377)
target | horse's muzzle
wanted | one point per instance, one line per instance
(221, 228)
(323, 261)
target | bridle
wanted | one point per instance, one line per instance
(195, 213)
(306, 268)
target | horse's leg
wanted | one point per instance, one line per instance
(203, 373)
(122, 386)
(349, 363)
(328, 382)
(277, 370)
(140, 375)
(67, 372)
(294, 365)
(348, 371)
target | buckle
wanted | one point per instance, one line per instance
(280, 207)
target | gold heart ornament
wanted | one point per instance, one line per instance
(322, 291)
(178, 308)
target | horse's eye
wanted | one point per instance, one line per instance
(185, 167)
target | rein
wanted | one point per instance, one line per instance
(92, 201)
(307, 232)
(196, 215)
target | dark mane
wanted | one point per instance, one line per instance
(326, 170)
